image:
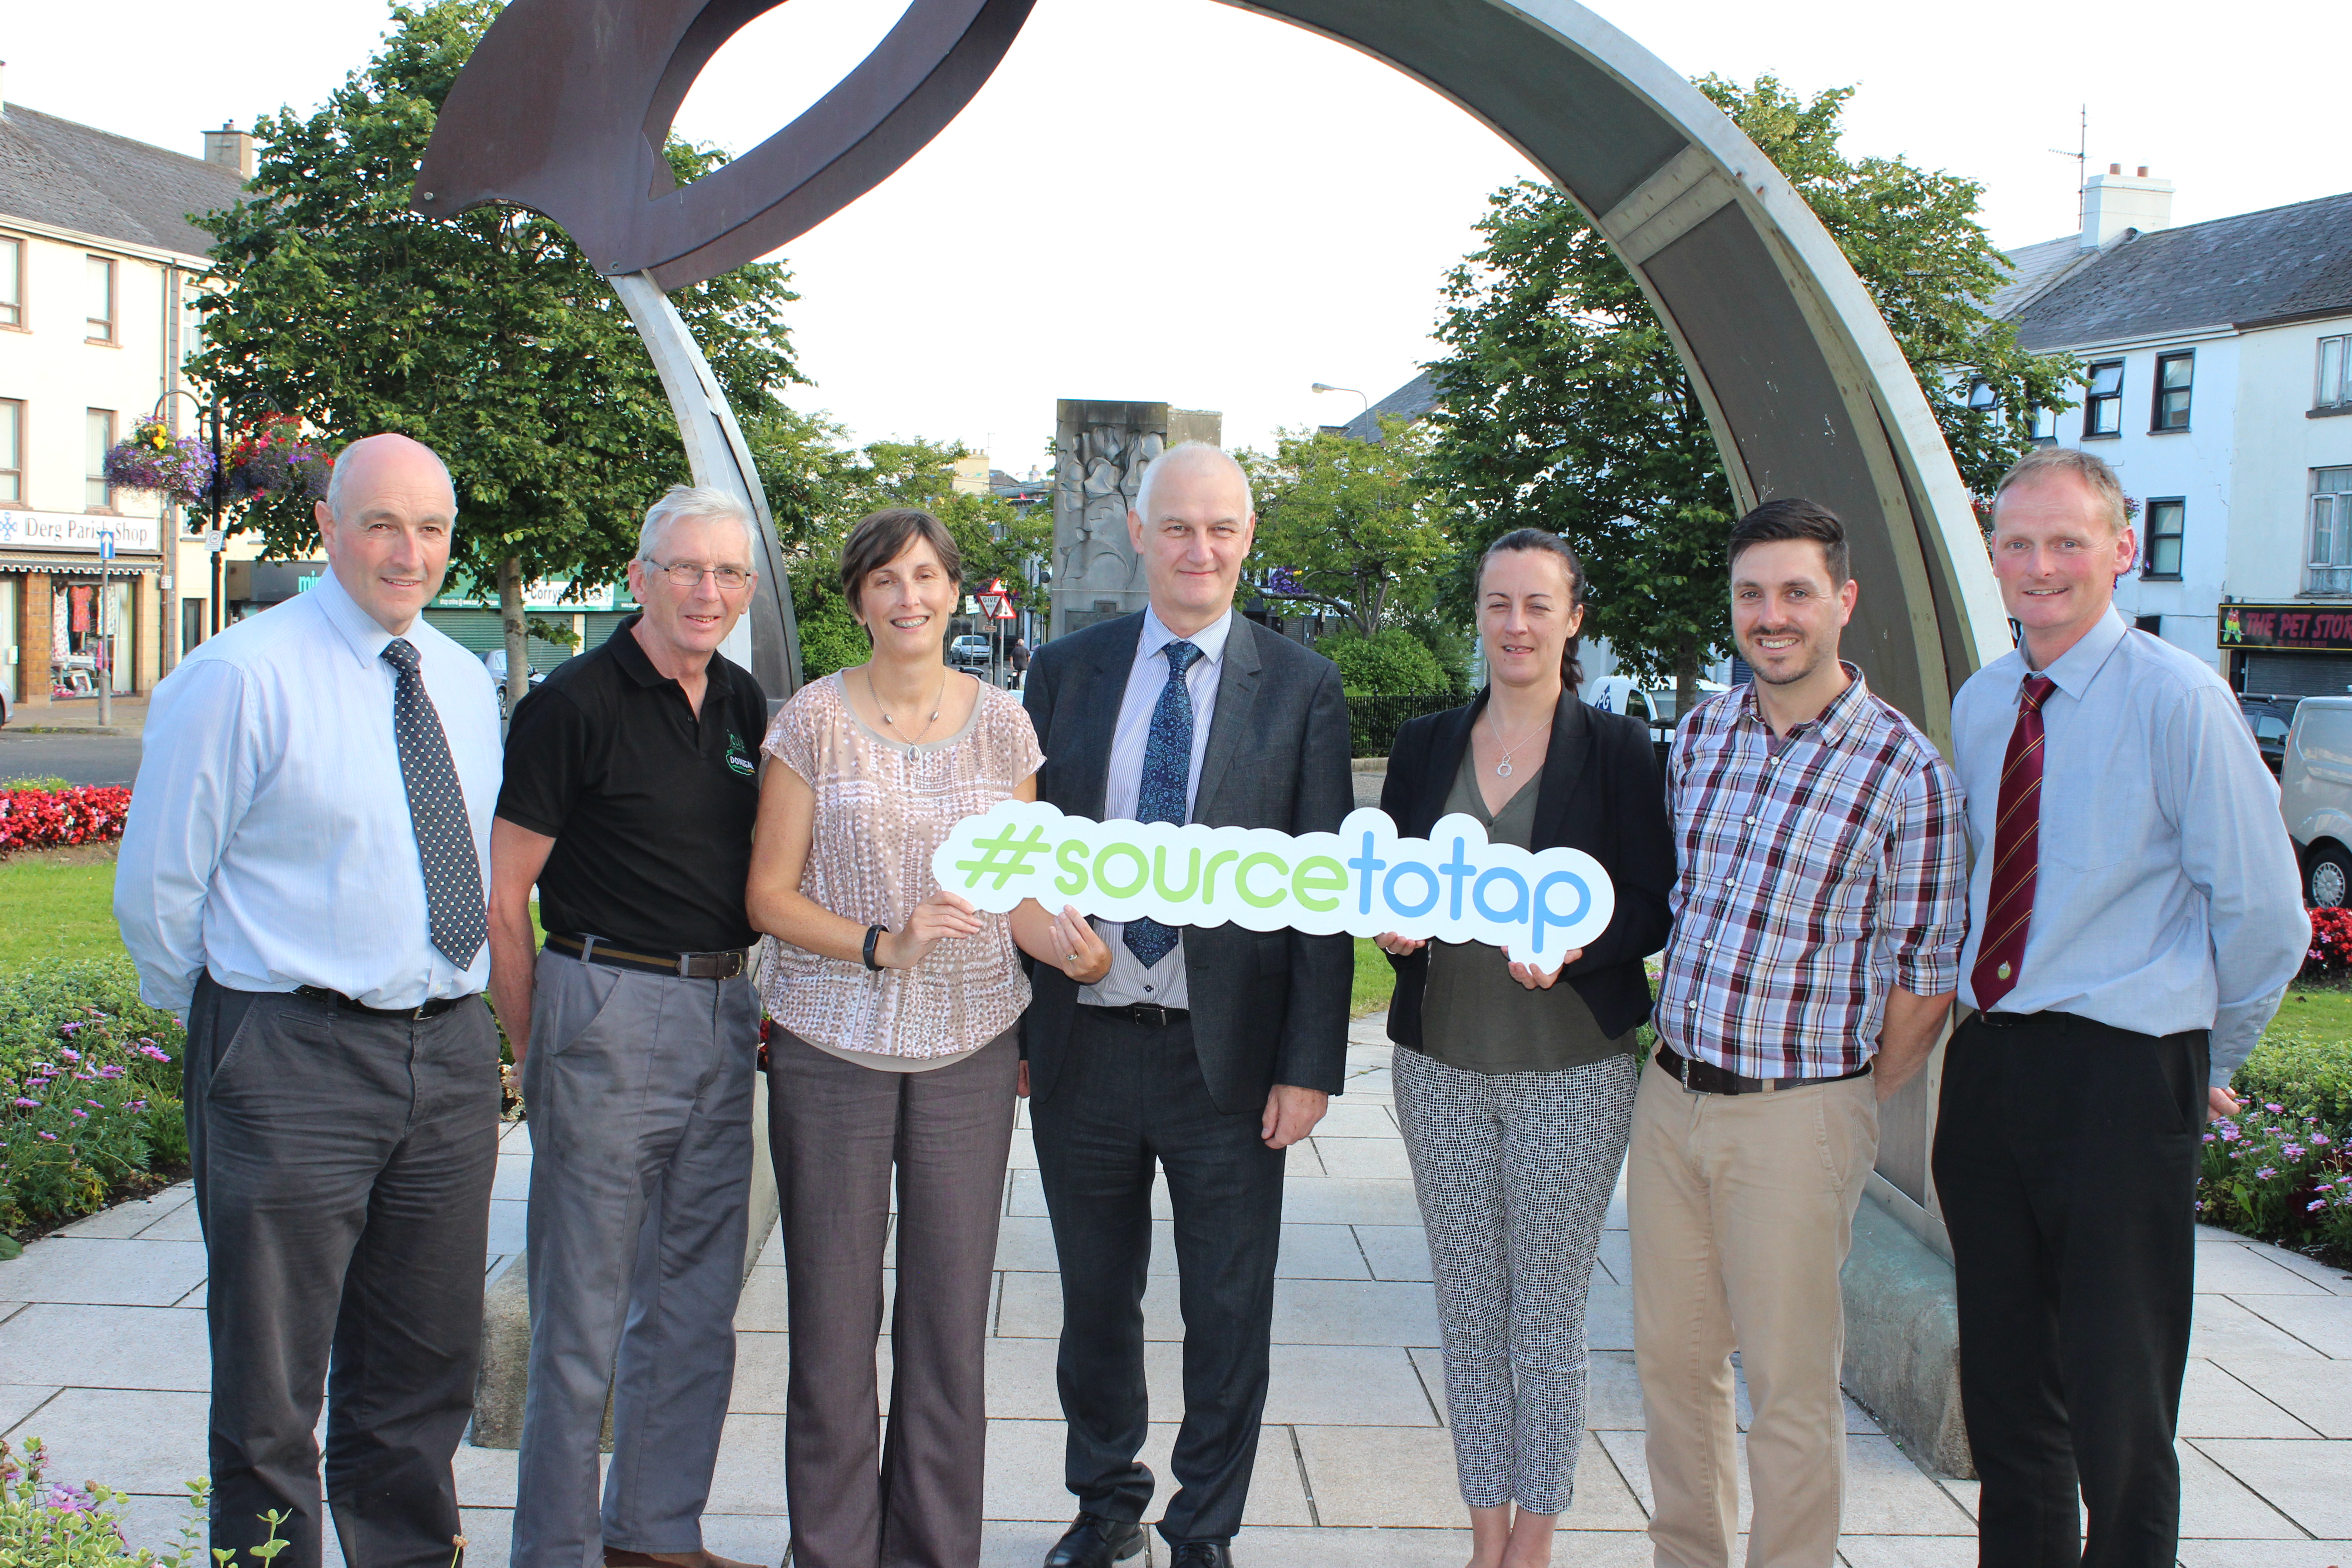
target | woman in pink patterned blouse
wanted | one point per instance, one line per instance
(897, 1005)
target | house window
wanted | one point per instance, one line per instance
(11, 450)
(2335, 374)
(97, 493)
(2173, 375)
(101, 300)
(1981, 396)
(2330, 567)
(2103, 410)
(2164, 520)
(12, 282)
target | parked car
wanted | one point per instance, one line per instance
(2315, 797)
(2268, 719)
(970, 651)
(495, 661)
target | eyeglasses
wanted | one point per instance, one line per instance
(688, 575)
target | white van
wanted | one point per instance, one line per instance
(2315, 797)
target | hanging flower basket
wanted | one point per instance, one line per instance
(178, 468)
(272, 455)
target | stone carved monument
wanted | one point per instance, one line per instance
(1101, 450)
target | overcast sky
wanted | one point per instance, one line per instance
(1176, 200)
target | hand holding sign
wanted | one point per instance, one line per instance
(1364, 879)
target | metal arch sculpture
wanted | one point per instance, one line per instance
(565, 106)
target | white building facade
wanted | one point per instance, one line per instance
(99, 273)
(2216, 385)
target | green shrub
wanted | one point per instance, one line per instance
(830, 639)
(49, 1524)
(89, 1089)
(2308, 1073)
(1394, 662)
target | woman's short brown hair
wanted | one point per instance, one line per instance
(881, 537)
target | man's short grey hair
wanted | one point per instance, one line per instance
(335, 487)
(2088, 467)
(1143, 490)
(680, 503)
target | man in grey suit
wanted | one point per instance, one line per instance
(1204, 1052)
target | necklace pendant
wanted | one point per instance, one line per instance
(1502, 770)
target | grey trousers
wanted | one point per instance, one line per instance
(639, 1090)
(838, 1130)
(343, 1166)
(1514, 1171)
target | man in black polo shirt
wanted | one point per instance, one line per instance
(630, 792)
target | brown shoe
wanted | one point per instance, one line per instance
(615, 1557)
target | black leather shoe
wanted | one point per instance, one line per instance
(1094, 1541)
(1200, 1554)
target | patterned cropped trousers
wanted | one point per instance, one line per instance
(1514, 1171)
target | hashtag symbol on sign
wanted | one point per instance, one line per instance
(1003, 855)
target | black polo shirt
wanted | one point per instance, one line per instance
(650, 806)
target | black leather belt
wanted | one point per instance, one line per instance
(1150, 1013)
(2006, 1020)
(432, 1009)
(1707, 1078)
(685, 965)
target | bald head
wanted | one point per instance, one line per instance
(1193, 459)
(387, 523)
(1192, 527)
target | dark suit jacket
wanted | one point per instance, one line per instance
(1600, 793)
(1267, 1007)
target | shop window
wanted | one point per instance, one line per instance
(101, 300)
(90, 637)
(97, 494)
(11, 450)
(2164, 527)
(12, 282)
(2102, 409)
(2174, 372)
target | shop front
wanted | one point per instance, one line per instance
(78, 594)
(2287, 650)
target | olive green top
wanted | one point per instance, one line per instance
(1474, 1016)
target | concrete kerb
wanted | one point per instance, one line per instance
(505, 1375)
(1903, 1341)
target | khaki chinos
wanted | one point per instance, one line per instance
(1741, 1209)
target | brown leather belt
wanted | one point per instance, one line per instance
(1705, 1077)
(685, 965)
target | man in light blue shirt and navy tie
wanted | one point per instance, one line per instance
(303, 878)
(2135, 919)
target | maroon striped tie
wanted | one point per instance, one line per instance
(2016, 849)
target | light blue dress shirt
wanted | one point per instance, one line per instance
(269, 840)
(2167, 897)
(1129, 980)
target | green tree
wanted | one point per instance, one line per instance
(1348, 526)
(490, 337)
(1391, 661)
(1565, 406)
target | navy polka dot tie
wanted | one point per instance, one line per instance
(437, 806)
(1167, 768)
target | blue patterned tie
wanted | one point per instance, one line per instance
(454, 911)
(1167, 767)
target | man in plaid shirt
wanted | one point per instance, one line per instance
(1819, 909)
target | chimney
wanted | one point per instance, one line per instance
(231, 149)
(2114, 200)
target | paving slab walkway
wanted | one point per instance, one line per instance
(102, 1356)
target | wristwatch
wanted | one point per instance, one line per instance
(873, 935)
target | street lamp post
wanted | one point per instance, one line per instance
(215, 490)
(1326, 386)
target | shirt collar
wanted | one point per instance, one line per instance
(361, 632)
(1210, 639)
(639, 668)
(2074, 670)
(1832, 721)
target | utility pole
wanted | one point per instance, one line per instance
(2081, 157)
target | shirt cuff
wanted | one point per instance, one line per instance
(2237, 1030)
(1927, 973)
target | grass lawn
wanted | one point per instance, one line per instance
(2324, 1012)
(56, 903)
(1374, 980)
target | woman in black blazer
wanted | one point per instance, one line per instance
(1514, 1085)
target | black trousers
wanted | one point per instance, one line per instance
(1129, 1097)
(2066, 1157)
(343, 1166)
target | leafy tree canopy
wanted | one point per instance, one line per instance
(1345, 526)
(490, 337)
(1565, 406)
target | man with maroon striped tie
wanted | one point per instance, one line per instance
(2135, 919)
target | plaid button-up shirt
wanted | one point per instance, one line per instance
(1813, 875)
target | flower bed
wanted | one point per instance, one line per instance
(56, 818)
(89, 1090)
(52, 1524)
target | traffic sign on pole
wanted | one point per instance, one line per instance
(106, 544)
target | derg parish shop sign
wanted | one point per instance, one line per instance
(1364, 879)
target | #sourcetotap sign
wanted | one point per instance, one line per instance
(1364, 879)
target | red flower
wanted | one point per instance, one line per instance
(50, 819)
